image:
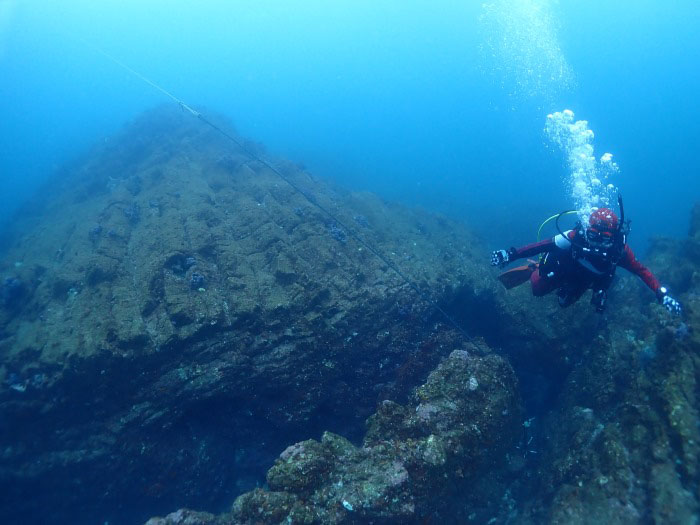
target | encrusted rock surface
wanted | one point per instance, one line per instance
(623, 442)
(620, 441)
(173, 314)
(458, 424)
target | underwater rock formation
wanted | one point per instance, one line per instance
(185, 314)
(623, 443)
(620, 444)
(173, 315)
(459, 423)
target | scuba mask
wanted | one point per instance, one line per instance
(600, 239)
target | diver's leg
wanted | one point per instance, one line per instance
(542, 285)
(571, 292)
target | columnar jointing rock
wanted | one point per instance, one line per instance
(458, 424)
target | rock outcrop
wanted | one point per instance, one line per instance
(623, 442)
(173, 315)
(459, 424)
(173, 311)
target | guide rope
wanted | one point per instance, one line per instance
(309, 197)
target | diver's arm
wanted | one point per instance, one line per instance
(630, 263)
(560, 241)
(531, 249)
(501, 258)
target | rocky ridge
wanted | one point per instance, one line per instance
(172, 310)
(173, 315)
(412, 458)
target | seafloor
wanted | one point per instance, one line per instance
(180, 328)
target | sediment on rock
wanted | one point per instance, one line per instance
(458, 424)
(622, 444)
(172, 315)
(165, 276)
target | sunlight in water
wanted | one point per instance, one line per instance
(6, 8)
(521, 49)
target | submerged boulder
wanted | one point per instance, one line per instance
(458, 424)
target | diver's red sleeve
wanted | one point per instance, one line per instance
(630, 263)
(532, 249)
(547, 245)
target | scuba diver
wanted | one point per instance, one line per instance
(581, 259)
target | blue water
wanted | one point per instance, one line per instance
(401, 98)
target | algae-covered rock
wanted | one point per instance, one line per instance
(619, 445)
(171, 305)
(301, 467)
(269, 507)
(622, 444)
(409, 457)
(188, 517)
(173, 314)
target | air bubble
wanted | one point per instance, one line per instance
(585, 172)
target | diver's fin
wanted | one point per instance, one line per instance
(516, 276)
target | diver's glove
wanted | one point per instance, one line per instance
(502, 257)
(669, 302)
